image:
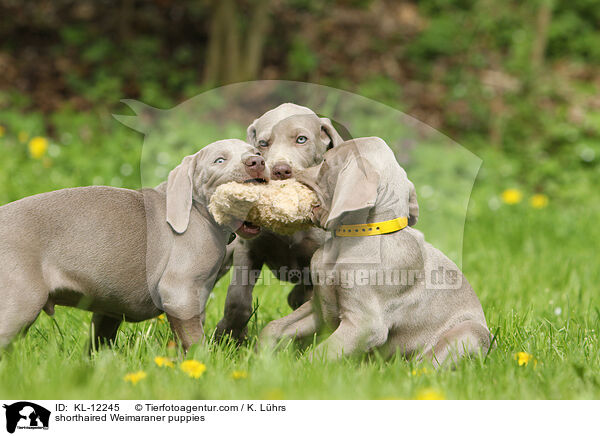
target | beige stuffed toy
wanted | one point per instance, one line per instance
(283, 206)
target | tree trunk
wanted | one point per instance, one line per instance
(255, 41)
(214, 54)
(231, 43)
(544, 17)
(235, 53)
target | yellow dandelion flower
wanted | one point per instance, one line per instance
(538, 201)
(274, 394)
(419, 371)
(237, 375)
(163, 362)
(429, 394)
(193, 368)
(512, 196)
(23, 137)
(135, 377)
(2, 131)
(162, 318)
(38, 147)
(523, 358)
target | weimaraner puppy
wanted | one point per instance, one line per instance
(290, 138)
(391, 290)
(119, 253)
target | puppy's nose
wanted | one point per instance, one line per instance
(255, 166)
(281, 171)
(255, 162)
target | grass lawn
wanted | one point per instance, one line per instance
(534, 270)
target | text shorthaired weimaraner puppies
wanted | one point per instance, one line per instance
(119, 253)
(290, 138)
(390, 290)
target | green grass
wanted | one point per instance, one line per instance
(535, 272)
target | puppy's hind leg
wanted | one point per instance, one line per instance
(20, 307)
(103, 330)
(464, 339)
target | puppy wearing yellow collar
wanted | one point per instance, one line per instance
(378, 283)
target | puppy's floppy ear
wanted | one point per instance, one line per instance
(355, 189)
(329, 135)
(413, 205)
(179, 195)
(251, 133)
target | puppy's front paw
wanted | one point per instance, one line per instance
(235, 333)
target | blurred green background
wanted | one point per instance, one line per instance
(519, 79)
(515, 82)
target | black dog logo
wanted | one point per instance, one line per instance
(294, 276)
(26, 415)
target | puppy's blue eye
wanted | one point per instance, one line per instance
(301, 139)
(219, 160)
(263, 143)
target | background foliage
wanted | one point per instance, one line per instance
(520, 77)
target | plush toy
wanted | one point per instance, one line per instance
(283, 206)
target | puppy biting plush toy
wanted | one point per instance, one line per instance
(283, 206)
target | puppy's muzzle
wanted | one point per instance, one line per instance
(255, 166)
(281, 171)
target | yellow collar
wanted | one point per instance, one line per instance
(371, 229)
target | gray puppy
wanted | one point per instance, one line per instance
(390, 291)
(290, 138)
(119, 253)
